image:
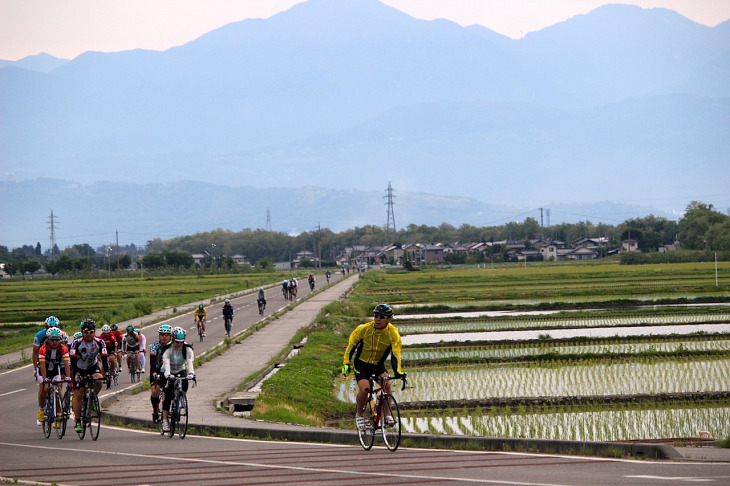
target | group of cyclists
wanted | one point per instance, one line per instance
(57, 356)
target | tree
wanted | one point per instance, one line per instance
(52, 267)
(695, 226)
(11, 269)
(32, 266)
(153, 261)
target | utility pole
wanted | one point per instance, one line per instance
(391, 215)
(52, 226)
(117, 232)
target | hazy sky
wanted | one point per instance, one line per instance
(66, 28)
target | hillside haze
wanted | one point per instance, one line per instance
(620, 104)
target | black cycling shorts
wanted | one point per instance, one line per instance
(363, 371)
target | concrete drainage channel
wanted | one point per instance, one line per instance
(241, 403)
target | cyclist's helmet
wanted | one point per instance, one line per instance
(200, 306)
(52, 321)
(136, 330)
(130, 328)
(383, 310)
(165, 329)
(106, 329)
(178, 334)
(114, 327)
(53, 334)
(78, 335)
(88, 324)
(64, 338)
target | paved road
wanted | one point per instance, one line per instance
(138, 457)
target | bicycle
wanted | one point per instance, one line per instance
(311, 285)
(201, 334)
(381, 413)
(262, 306)
(90, 408)
(56, 409)
(227, 324)
(178, 414)
(133, 366)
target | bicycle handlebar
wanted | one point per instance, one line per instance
(402, 377)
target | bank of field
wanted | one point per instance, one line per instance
(610, 387)
(25, 304)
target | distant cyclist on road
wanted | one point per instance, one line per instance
(367, 349)
(285, 289)
(310, 279)
(176, 360)
(200, 315)
(227, 314)
(261, 300)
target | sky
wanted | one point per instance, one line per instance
(67, 28)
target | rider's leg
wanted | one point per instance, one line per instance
(142, 359)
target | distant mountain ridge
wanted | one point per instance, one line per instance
(609, 105)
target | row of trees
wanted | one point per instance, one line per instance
(701, 228)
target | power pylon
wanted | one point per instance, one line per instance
(52, 226)
(268, 220)
(391, 215)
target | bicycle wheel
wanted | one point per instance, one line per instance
(228, 327)
(390, 422)
(47, 416)
(59, 421)
(133, 368)
(182, 416)
(200, 332)
(84, 406)
(173, 416)
(367, 436)
(94, 416)
(66, 410)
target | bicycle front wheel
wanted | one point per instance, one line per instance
(94, 416)
(133, 368)
(200, 332)
(390, 422)
(58, 416)
(367, 435)
(182, 416)
(48, 416)
(84, 414)
(65, 411)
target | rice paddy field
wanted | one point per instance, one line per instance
(508, 352)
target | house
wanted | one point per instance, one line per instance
(199, 258)
(629, 245)
(239, 260)
(584, 242)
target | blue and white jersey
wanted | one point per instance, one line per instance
(40, 338)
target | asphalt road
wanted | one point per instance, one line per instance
(128, 457)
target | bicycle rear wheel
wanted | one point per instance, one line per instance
(58, 415)
(182, 416)
(84, 414)
(200, 332)
(390, 422)
(133, 368)
(367, 436)
(94, 416)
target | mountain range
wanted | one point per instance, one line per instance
(622, 104)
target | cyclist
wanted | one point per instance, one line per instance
(111, 346)
(142, 348)
(85, 354)
(131, 346)
(200, 315)
(228, 310)
(327, 274)
(261, 299)
(293, 284)
(370, 345)
(157, 377)
(54, 362)
(310, 279)
(38, 340)
(119, 336)
(285, 289)
(176, 359)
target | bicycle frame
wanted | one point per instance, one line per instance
(179, 411)
(90, 408)
(54, 401)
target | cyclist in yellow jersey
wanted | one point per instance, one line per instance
(370, 345)
(200, 315)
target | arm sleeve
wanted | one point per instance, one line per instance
(395, 351)
(351, 343)
(166, 362)
(189, 361)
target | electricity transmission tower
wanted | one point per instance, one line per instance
(390, 225)
(52, 226)
(268, 220)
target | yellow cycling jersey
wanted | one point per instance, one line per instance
(200, 313)
(375, 345)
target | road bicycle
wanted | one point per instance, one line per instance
(90, 408)
(227, 323)
(381, 413)
(114, 376)
(57, 407)
(201, 334)
(133, 367)
(262, 306)
(311, 285)
(178, 415)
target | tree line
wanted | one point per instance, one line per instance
(701, 228)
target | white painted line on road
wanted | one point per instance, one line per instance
(11, 392)
(674, 478)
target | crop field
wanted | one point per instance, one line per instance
(616, 388)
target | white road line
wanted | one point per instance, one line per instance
(11, 392)
(674, 478)
(290, 468)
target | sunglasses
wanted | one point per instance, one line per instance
(380, 316)
(89, 331)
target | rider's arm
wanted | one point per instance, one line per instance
(355, 338)
(166, 361)
(104, 357)
(395, 351)
(189, 361)
(42, 362)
